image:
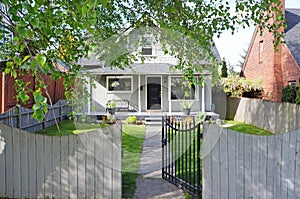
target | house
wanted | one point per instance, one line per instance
(148, 85)
(276, 68)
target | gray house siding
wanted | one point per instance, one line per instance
(100, 95)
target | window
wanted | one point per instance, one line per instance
(293, 82)
(147, 46)
(261, 50)
(121, 84)
(180, 90)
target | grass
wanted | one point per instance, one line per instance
(132, 143)
(68, 127)
(247, 128)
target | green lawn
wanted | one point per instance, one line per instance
(247, 128)
(69, 127)
(132, 142)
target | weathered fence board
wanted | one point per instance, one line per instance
(258, 166)
(56, 169)
(40, 165)
(73, 166)
(8, 153)
(32, 166)
(2, 159)
(21, 118)
(99, 166)
(16, 163)
(24, 164)
(64, 181)
(272, 116)
(87, 165)
(231, 161)
(82, 166)
(224, 165)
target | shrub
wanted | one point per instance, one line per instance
(236, 85)
(298, 97)
(131, 120)
(289, 94)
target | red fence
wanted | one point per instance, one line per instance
(7, 91)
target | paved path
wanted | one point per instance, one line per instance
(150, 183)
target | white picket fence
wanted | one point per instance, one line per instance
(86, 165)
(237, 165)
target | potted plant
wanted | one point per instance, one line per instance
(111, 107)
(186, 106)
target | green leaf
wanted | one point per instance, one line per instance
(9, 64)
(41, 59)
(35, 107)
(34, 22)
(21, 30)
(25, 58)
(7, 70)
(24, 98)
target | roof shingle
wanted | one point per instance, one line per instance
(292, 32)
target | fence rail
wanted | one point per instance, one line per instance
(237, 165)
(86, 165)
(20, 117)
(181, 164)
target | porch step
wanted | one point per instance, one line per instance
(153, 120)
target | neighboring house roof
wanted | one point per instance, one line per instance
(292, 32)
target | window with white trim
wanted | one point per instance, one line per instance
(293, 82)
(119, 84)
(147, 48)
(180, 89)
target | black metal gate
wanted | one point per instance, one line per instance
(181, 153)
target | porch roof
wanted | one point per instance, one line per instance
(139, 68)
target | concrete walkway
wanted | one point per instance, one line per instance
(150, 183)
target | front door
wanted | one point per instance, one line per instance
(153, 93)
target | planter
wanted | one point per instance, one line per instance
(187, 111)
(111, 111)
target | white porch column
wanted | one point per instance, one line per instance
(169, 94)
(89, 94)
(203, 98)
(139, 94)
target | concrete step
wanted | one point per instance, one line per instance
(153, 120)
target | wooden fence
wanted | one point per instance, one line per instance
(237, 165)
(21, 118)
(86, 165)
(7, 92)
(272, 116)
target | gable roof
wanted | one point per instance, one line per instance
(292, 32)
(94, 65)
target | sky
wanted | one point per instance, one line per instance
(231, 47)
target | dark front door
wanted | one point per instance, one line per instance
(153, 93)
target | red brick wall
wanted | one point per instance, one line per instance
(254, 69)
(277, 68)
(290, 68)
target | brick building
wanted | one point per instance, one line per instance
(276, 68)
